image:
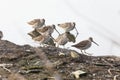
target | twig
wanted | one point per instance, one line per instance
(115, 77)
(6, 69)
(109, 71)
(107, 63)
(4, 66)
(100, 64)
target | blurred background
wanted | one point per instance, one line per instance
(99, 19)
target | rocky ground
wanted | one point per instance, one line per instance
(50, 63)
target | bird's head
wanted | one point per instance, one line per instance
(91, 39)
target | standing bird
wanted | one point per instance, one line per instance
(68, 26)
(42, 39)
(1, 35)
(71, 37)
(34, 33)
(48, 30)
(37, 23)
(62, 39)
(85, 44)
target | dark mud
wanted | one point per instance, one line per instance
(45, 63)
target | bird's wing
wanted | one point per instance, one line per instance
(82, 43)
(31, 22)
(42, 30)
(59, 37)
(71, 38)
(64, 25)
(39, 38)
(35, 32)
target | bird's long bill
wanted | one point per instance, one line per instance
(95, 43)
(57, 31)
(77, 32)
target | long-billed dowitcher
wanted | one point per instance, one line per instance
(42, 39)
(85, 44)
(62, 39)
(48, 30)
(68, 26)
(71, 37)
(37, 23)
(34, 33)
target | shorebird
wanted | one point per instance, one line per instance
(51, 42)
(68, 26)
(1, 35)
(37, 23)
(34, 33)
(62, 39)
(71, 37)
(42, 39)
(48, 30)
(85, 44)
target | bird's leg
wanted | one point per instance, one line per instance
(77, 32)
(87, 53)
(68, 48)
(40, 44)
(46, 45)
(53, 39)
(57, 45)
(64, 46)
(82, 52)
